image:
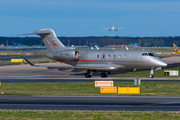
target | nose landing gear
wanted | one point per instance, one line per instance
(151, 73)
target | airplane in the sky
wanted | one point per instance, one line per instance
(113, 28)
(96, 60)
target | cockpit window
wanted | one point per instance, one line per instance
(152, 54)
(149, 54)
(144, 54)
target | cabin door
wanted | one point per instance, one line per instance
(103, 57)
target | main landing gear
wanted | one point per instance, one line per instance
(151, 73)
(88, 74)
(104, 74)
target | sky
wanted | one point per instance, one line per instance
(81, 18)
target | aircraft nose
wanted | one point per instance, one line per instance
(163, 64)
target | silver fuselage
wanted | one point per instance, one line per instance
(124, 58)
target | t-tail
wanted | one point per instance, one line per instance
(50, 39)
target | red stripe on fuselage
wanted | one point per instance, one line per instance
(129, 61)
(107, 61)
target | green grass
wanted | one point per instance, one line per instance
(167, 55)
(39, 60)
(87, 88)
(87, 115)
(41, 52)
(154, 49)
(145, 73)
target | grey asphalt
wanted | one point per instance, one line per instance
(80, 79)
(72, 102)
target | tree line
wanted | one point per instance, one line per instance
(105, 40)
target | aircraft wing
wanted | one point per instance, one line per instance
(118, 28)
(82, 66)
(106, 28)
(48, 66)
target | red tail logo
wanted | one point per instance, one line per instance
(54, 44)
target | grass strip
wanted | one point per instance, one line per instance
(87, 88)
(145, 73)
(38, 60)
(87, 115)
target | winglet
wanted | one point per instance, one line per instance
(28, 61)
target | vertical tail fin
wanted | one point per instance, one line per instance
(50, 39)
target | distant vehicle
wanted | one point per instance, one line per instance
(96, 60)
(113, 28)
(175, 49)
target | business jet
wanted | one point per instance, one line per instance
(96, 60)
(113, 28)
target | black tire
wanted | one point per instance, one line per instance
(87, 76)
(103, 75)
(151, 76)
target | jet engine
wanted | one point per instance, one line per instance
(67, 55)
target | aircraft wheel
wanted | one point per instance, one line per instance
(103, 75)
(87, 76)
(151, 76)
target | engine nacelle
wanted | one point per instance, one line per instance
(67, 55)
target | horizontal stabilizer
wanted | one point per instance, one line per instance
(38, 32)
(26, 34)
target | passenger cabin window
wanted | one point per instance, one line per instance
(124, 56)
(108, 56)
(119, 57)
(114, 56)
(97, 56)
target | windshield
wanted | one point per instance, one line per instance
(152, 54)
(149, 54)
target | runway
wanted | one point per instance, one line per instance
(72, 102)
